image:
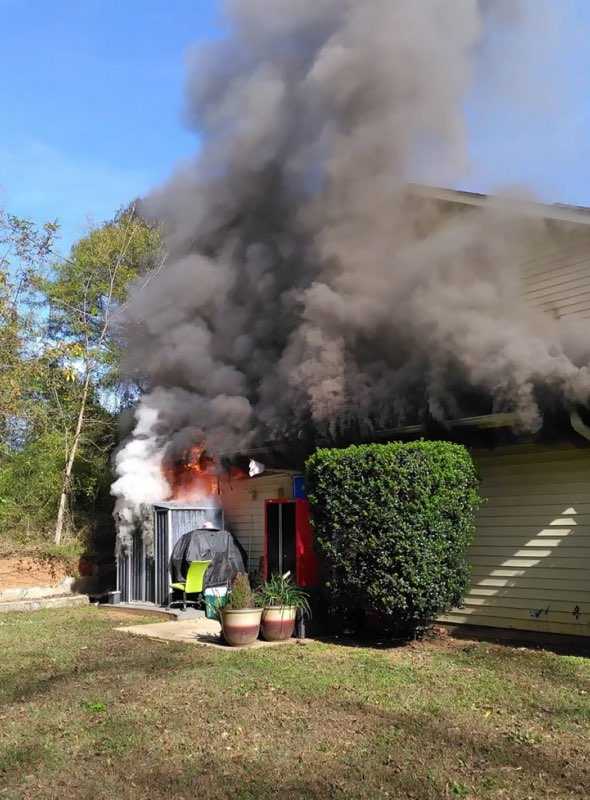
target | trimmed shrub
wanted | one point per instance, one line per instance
(392, 524)
(241, 595)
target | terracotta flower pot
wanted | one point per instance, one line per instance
(278, 623)
(241, 625)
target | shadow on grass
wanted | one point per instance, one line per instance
(18, 757)
(405, 755)
(132, 657)
(577, 646)
(558, 644)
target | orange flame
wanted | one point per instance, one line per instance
(195, 476)
(192, 476)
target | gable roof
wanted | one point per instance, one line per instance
(559, 212)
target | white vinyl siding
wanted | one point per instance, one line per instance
(556, 276)
(243, 505)
(531, 555)
(557, 279)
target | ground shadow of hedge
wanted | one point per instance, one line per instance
(425, 758)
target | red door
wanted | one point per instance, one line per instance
(288, 541)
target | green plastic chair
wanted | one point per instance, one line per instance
(194, 582)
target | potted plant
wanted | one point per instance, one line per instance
(281, 599)
(240, 617)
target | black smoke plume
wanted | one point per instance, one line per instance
(307, 285)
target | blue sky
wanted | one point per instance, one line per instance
(91, 105)
(91, 102)
(529, 121)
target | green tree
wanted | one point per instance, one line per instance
(26, 376)
(25, 254)
(84, 293)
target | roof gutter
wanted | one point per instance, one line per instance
(483, 422)
(579, 425)
(486, 421)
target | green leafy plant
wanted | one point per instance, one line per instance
(280, 591)
(392, 525)
(458, 789)
(96, 707)
(241, 595)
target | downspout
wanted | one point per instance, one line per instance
(583, 430)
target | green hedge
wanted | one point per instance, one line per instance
(392, 524)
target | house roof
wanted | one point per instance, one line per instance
(178, 505)
(561, 212)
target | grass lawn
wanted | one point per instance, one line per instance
(89, 712)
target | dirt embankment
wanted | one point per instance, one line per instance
(23, 571)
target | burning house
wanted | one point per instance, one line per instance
(310, 294)
(266, 514)
(531, 557)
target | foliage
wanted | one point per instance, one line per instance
(31, 477)
(30, 480)
(87, 288)
(280, 591)
(25, 250)
(84, 294)
(392, 524)
(241, 594)
(59, 385)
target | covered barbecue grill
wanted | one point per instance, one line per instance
(227, 556)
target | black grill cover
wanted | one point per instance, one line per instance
(226, 554)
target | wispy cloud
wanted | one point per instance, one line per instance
(43, 183)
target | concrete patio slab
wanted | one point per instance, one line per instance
(196, 631)
(152, 610)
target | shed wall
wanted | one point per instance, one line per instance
(243, 505)
(531, 554)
